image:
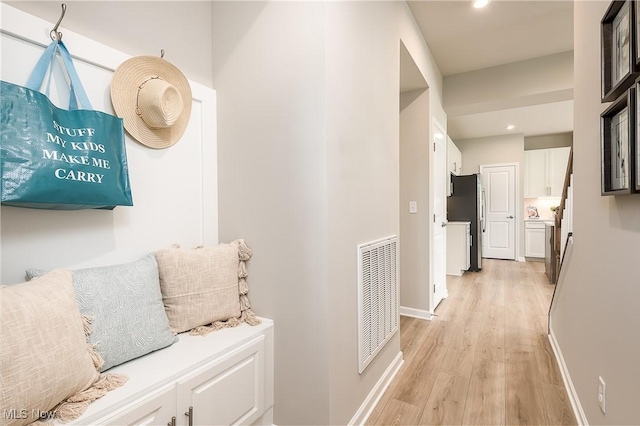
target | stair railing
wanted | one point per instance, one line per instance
(564, 217)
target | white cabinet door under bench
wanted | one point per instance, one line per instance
(225, 377)
(227, 391)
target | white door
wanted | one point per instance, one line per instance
(439, 177)
(499, 237)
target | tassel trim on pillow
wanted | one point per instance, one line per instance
(243, 288)
(244, 252)
(86, 324)
(73, 407)
(246, 314)
(242, 269)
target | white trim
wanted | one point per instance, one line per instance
(370, 402)
(581, 418)
(415, 313)
(436, 127)
(521, 259)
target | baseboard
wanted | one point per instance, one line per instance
(370, 402)
(415, 313)
(581, 418)
(522, 259)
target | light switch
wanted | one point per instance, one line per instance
(413, 207)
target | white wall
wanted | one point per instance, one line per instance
(534, 81)
(363, 74)
(269, 69)
(497, 150)
(165, 210)
(597, 316)
(555, 140)
(309, 168)
(181, 28)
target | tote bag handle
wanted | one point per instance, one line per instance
(48, 59)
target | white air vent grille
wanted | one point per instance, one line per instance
(378, 305)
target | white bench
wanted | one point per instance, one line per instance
(223, 378)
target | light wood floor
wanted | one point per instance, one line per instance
(485, 359)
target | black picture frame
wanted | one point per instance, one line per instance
(617, 145)
(636, 13)
(618, 49)
(635, 146)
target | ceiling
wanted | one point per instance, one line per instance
(463, 39)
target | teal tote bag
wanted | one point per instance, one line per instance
(59, 159)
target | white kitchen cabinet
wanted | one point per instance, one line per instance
(534, 239)
(223, 378)
(458, 247)
(454, 162)
(544, 172)
(535, 177)
(454, 158)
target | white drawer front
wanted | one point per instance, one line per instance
(156, 409)
(534, 225)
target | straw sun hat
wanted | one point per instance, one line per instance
(153, 98)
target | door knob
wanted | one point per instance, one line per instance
(509, 217)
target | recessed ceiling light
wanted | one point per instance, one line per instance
(479, 4)
(511, 127)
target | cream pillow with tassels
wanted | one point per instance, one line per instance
(205, 289)
(47, 368)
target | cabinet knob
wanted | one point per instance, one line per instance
(509, 217)
(172, 422)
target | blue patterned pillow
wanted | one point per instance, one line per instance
(125, 303)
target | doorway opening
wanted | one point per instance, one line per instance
(414, 189)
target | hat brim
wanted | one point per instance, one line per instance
(124, 91)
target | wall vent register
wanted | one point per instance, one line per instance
(378, 302)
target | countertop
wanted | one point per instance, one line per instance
(550, 220)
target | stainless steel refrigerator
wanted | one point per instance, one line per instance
(466, 204)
